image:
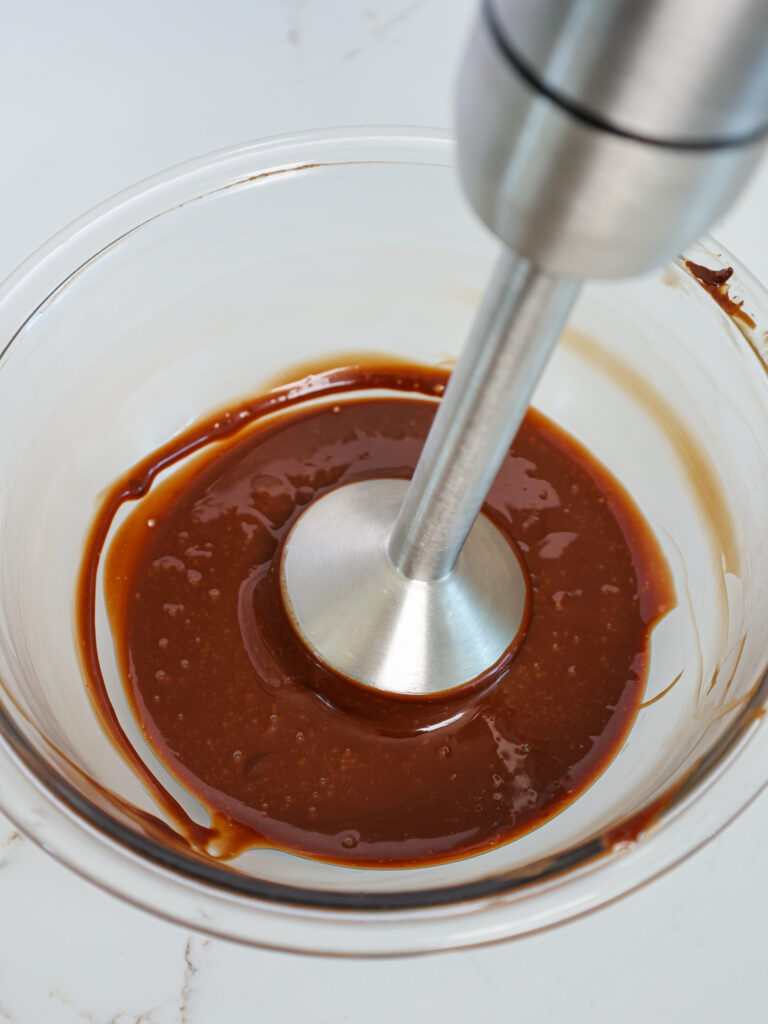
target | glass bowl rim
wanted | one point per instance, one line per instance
(113, 856)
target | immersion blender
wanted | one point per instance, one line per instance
(596, 139)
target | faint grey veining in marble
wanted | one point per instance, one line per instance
(121, 1017)
(7, 845)
(383, 27)
(62, 997)
(191, 967)
(168, 1012)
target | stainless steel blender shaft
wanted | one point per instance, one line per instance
(599, 139)
(595, 140)
(516, 326)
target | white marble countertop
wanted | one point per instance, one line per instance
(93, 96)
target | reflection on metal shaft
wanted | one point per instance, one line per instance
(517, 324)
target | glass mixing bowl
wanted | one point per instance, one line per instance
(200, 286)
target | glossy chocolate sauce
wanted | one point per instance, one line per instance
(285, 753)
(716, 283)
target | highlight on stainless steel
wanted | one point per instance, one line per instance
(366, 620)
(571, 125)
(595, 140)
(407, 595)
(674, 71)
(514, 330)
